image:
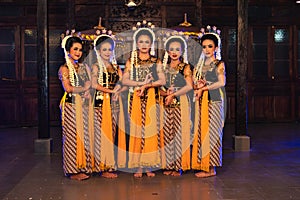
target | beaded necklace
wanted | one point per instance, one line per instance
(198, 69)
(102, 69)
(72, 73)
(133, 60)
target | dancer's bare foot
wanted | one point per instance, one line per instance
(150, 174)
(212, 172)
(109, 175)
(138, 174)
(79, 176)
(176, 173)
(167, 173)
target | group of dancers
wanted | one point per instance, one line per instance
(161, 132)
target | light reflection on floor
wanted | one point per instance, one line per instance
(271, 170)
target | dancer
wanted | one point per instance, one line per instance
(209, 81)
(108, 109)
(144, 75)
(76, 112)
(176, 123)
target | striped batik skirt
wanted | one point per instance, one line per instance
(69, 144)
(173, 136)
(216, 123)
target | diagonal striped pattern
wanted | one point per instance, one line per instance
(199, 135)
(177, 139)
(172, 138)
(87, 148)
(97, 135)
(168, 137)
(216, 118)
(143, 107)
(115, 118)
(69, 140)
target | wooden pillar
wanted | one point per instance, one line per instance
(44, 143)
(241, 138)
(198, 13)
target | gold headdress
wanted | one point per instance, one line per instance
(209, 30)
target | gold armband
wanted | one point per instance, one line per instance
(188, 74)
(64, 76)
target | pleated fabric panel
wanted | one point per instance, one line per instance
(69, 141)
(172, 138)
(216, 118)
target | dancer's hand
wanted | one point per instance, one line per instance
(198, 93)
(115, 96)
(86, 94)
(116, 89)
(169, 99)
(87, 85)
(148, 78)
(200, 83)
(141, 91)
(170, 90)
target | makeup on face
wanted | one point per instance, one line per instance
(76, 51)
(208, 48)
(105, 50)
(144, 42)
(175, 50)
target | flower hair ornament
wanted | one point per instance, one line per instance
(209, 30)
(102, 67)
(175, 36)
(147, 27)
(71, 67)
(144, 26)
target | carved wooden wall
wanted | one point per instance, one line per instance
(274, 64)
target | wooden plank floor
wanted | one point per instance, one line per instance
(271, 170)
